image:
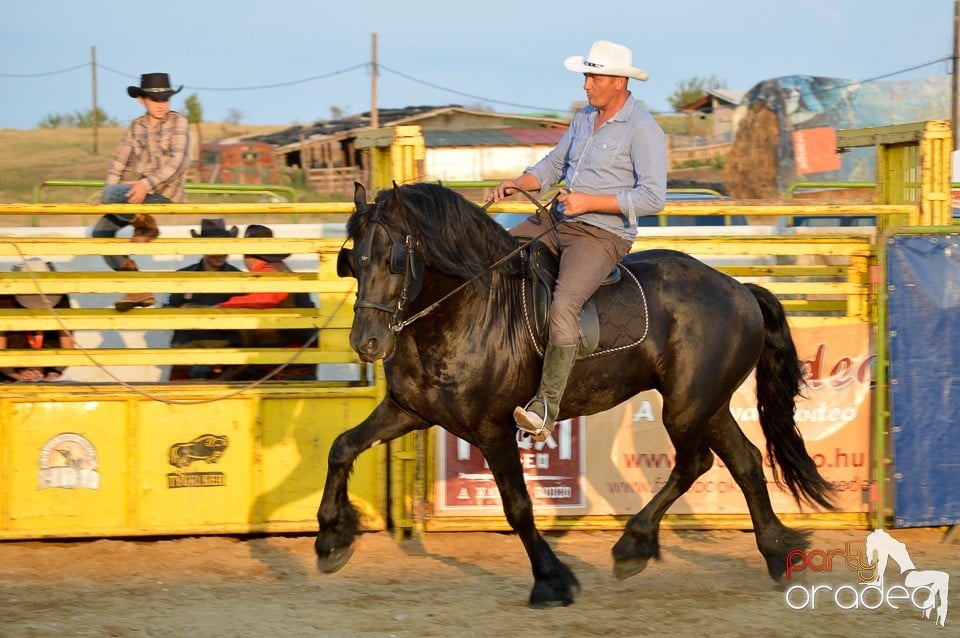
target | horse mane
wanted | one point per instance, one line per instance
(455, 236)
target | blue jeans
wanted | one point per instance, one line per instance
(108, 225)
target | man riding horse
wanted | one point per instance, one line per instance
(614, 160)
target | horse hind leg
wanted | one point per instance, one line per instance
(640, 540)
(745, 463)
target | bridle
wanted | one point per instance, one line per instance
(402, 261)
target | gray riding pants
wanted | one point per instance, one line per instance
(108, 225)
(587, 255)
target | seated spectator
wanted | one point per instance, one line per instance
(271, 338)
(204, 338)
(149, 166)
(34, 339)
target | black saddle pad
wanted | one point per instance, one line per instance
(613, 319)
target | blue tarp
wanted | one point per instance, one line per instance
(803, 101)
(924, 335)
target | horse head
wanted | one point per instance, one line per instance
(388, 268)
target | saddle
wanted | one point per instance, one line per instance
(539, 282)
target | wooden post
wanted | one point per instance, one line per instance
(94, 114)
(374, 115)
(953, 70)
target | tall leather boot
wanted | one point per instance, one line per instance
(145, 229)
(538, 416)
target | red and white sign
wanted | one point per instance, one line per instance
(553, 471)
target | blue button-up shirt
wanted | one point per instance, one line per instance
(626, 157)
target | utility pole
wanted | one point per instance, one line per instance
(953, 72)
(374, 116)
(94, 115)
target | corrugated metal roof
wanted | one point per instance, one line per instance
(393, 117)
(468, 137)
(536, 135)
(732, 96)
(385, 117)
(493, 137)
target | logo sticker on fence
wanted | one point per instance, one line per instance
(207, 448)
(923, 590)
(69, 461)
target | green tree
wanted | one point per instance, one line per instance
(692, 89)
(84, 119)
(52, 120)
(195, 116)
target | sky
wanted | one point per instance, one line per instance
(300, 61)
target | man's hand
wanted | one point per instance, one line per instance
(574, 203)
(527, 182)
(504, 189)
(27, 374)
(138, 191)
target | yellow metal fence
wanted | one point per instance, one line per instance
(88, 459)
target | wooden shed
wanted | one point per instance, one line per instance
(331, 162)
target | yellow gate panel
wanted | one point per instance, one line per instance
(196, 464)
(296, 435)
(65, 466)
(82, 461)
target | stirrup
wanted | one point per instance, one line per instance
(539, 431)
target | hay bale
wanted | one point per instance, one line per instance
(751, 168)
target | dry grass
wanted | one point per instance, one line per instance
(28, 157)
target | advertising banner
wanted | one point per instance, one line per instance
(625, 454)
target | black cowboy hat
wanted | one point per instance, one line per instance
(214, 228)
(259, 230)
(155, 86)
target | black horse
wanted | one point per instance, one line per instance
(464, 360)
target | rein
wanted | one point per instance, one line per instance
(542, 211)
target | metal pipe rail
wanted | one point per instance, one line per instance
(832, 288)
(711, 208)
(288, 192)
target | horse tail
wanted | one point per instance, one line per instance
(779, 382)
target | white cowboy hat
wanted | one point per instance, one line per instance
(606, 58)
(35, 264)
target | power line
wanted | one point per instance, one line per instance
(258, 87)
(473, 97)
(281, 84)
(410, 78)
(40, 75)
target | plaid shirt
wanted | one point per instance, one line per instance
(158, 154)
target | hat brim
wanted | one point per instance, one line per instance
(577, 64)
(166, 94)
(35, 302)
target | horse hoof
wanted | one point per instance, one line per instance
(335, 559)
(624, 569)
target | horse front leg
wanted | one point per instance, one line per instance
(641, 538)
(554, 583)
(338, 520)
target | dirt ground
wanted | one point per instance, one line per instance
(454, 584)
